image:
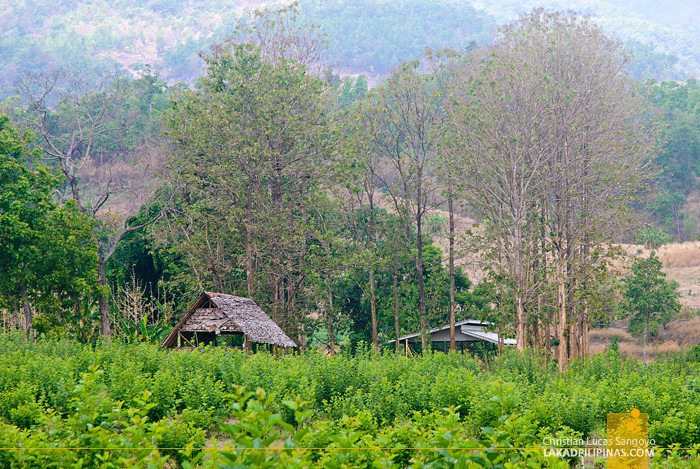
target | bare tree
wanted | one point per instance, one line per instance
(448, 67)
(552, 147)
(357, 171)
(71, 113)
(501, 160)
(399, 117)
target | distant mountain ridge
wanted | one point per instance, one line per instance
(671, 26)
(365, 36)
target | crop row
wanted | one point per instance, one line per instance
(138, 403)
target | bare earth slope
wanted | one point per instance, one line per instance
(681, 262)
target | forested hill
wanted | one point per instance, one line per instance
(365, 36)
(661, 33)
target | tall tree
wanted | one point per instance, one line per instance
(399, 116)
(650, 298)
(360, 166)
(255, 134)
(73, 115)
(330, 256)
(448, 67)
(550, 134)
(48, 257)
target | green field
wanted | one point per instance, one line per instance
(64, 404)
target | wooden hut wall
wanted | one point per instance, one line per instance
(195, 338)
(210, 319)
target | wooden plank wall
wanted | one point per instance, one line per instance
(210, 319)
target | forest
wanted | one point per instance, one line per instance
(497, 182)
(346, 212)
(364, 36)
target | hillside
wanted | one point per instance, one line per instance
(681, 262)
(364, 36)
(670, 27)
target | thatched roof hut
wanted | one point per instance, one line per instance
(214, 314)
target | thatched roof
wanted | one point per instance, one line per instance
(243, 313)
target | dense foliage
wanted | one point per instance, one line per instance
(129, 404)
(375, 36)
(325, 201)
(48, 256)
(679, 158)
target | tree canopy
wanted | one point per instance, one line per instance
(49, 257)
(344, 205)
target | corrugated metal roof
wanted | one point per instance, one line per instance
(487, 336)
(470, 327)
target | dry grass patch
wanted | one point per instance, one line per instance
(636, 350)
(672, 255)
(597, 349)
(676, 336)
(683, 332)
(681, 262)
(604, 336)
(680, 254)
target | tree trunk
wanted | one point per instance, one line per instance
(585, 320)
(421, 285)
(535, 336)
(373, 307)
(302, 337)
(103, 302)
(298, 279)
(538, 320)
(372, 295)
(28, 314)
(574, 335)
(585, 332)
(275, 296)
(547, 339)
(217, 278)
(450, 208)
(644, 347)
(563, 356)
(520, 319)
(331, 332)
(396, 305)
(521, 331)
(249, 266)
(247, 343)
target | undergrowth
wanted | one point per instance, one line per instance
(126, 405)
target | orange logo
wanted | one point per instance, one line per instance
(628, 440)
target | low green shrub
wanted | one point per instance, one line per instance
(144, 405)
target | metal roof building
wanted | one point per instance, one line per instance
(469, 330)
